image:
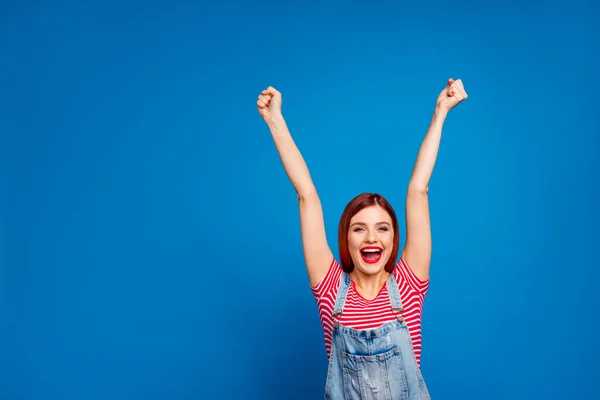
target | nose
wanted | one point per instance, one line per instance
(371, 236)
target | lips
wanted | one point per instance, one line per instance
(371, 254)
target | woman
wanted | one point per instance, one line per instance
(370, 305)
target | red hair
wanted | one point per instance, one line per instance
(352, 208)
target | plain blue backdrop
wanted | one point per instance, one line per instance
(151, 243)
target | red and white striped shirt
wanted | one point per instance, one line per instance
(360, 313)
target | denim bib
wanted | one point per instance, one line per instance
(373, 364)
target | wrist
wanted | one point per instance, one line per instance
(275, 119)
(440, 111)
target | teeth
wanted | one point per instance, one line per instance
(371, 251)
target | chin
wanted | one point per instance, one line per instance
(371, 269)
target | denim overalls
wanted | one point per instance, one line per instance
(374, 364)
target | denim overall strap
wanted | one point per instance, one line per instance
(394, 294)
(340, 301)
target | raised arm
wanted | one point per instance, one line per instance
(317, 253)
(417, 250)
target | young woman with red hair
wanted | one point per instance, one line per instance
(370, 305)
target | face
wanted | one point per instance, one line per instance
(371, 239)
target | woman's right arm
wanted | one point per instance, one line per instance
(317, 254)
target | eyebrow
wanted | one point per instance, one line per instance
(378, 223)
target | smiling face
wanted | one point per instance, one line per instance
(371, 239)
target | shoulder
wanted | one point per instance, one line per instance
(330, 281)
(404, 274)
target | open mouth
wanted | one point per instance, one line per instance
(371, 255)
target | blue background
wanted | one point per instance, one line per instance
(151, 243)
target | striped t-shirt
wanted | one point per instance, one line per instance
(360, 313)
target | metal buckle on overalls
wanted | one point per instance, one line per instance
(335, 321)
(399, 310)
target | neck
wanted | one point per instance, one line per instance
(369, 285)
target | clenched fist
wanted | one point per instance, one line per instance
(452, 94)
(269, 104)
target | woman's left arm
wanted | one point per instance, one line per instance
(417, 250)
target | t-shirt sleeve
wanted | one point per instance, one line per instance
(421, 286)
(329, 283)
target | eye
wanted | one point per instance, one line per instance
(358, 229)
(384, 228)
